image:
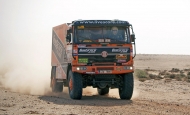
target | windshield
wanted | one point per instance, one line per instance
(108, 34)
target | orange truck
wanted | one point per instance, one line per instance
(97, 53)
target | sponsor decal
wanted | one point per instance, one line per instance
(58, 46)
(80, 27)
(83, 60)
(60, 53)
(104, 54)
(88, 50)
(59, 72)
(101, 22)
(59, 49)
(121, 56)
(120, 50)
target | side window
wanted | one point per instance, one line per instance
(68, 37)
(122, 33)
(127, 35)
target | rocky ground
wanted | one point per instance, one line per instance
(151, 96)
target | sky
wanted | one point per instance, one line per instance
(160, 26)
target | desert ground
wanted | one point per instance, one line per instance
(159, 93)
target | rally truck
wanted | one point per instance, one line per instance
(96, 53)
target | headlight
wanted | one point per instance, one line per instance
(127, 67)
(81, 68)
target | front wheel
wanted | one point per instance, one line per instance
(126, 90)
(75, 85)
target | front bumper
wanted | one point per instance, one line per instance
(103, 69)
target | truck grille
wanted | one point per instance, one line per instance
(94, 59)
(95, 54)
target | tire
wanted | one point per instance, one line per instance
(126, 90)
(55, 86)
(103, 91)
(75, 85)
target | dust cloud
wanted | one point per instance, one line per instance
(25, 66)
(136, 91)
(25, 80)
(89, 91)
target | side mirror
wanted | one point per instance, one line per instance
(133, 38)
(68, 38)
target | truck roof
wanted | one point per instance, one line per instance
(101, 22)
